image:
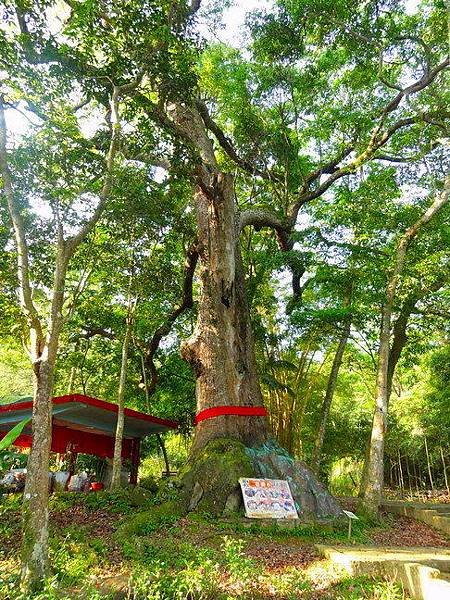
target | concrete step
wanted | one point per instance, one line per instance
(421, 571)
(435, 515)
(437, 558)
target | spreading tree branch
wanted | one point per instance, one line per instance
(262, 218)
(116, 129)
(163, 330)
(90, 332)
(23, 264)
(228, 147)
(399, 330)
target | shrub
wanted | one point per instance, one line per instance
(194, 581)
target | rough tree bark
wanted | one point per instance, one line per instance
(373, 482)
(221, 350)
(221, 353)
(331, 386)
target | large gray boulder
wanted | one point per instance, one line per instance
(313, 501)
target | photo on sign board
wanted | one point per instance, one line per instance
(267, 499)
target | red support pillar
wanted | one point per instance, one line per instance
(135, 460)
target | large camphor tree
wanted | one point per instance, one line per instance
(321, 92)
(282, 127)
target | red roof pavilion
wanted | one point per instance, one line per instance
(86, 425)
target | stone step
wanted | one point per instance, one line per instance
(421, 571)
(419, 505)
(438, 558)
(435, 515)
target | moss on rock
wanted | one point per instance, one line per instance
(213, 476)
(209, 483)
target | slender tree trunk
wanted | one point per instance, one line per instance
(35, 511)
(71, 385)
(331, 386)
(428, 463)
(399, 340)
(409, 476)
(373, 483)
(164, 453)
(400, 470)
(35, 514)
(44, 347)
(221, 350)
(145, 383)
(416, 476)
(292, 420)
(444, 466)
(117, 459)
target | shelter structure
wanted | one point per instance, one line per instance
(82, 424)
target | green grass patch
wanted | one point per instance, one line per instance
(311, 532)
(364, 587)
(74, 553)
(121, 501)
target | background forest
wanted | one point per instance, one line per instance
(234, 214)
(283, 101)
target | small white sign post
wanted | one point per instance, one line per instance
(268, 499)
(351, 516)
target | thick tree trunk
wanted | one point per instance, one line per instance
(221, 353)
(221, 350)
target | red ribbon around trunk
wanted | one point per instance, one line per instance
(242, 411)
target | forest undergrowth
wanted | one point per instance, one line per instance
(124, 545)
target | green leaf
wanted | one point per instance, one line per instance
(273, 384)
(12, 435)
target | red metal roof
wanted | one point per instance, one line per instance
(83, 421)
(129, 412)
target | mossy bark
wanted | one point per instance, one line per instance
(210, 482)
(221, 349)
(213, 476)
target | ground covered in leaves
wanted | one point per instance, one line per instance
(122, 545)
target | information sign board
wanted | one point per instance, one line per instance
(267, 499)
